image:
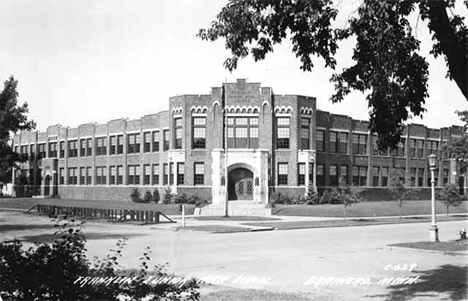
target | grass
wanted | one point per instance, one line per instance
(27, 203)
(236, 218)
(253, 295)
(215, 228)
(443, 246)
(367, 209)
(349, 222)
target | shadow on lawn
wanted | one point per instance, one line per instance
(49, 238)
(448, 279)
(18, 227)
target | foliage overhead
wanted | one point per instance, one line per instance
(457, 147)
(13, 118)
(387, 64)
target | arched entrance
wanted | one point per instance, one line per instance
(240, 184)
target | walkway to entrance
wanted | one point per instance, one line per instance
(240, 184)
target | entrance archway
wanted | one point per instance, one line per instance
(240, 184)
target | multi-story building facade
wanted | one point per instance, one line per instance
(274, 143)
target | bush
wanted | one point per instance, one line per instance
(201, 202)
(148, 197)
(279, 198)
(156, 196)
(167, 196)
(312, 195)
(326, 197)
(57, 271)
(180, 198)
(135, 196)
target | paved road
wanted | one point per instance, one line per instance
(290, 258)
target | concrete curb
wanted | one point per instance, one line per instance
(427, 251)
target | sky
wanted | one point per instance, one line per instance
(80, 61)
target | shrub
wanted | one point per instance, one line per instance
(312, 195)
(167, 196)
(156, 196)
(180, 198)
(57, 271)
(450, 196)
(148, 197)
(193, 199)
(135, 196)
(326, 197)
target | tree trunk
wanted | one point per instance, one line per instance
(448, 210)
(455, 52)
(344, 211)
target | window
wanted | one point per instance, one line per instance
(446, 176)
(343, 143)
(72, 176)
(359, 175)
(432, 146)
(101, 146)
(42, 150)
(333, 142)
(400, 151)
(199, 132)
(420, 148)
(376, 150)
(301, 172)
(412, 148)
(333, 175)
(412, 177)
(73, 149)
(112, 175)
(89, 147)
(113, 145)
(420, 177)
(61, 176)
(375, 176)
(147, 142)
(52, 149)
(199, 177)
(62, 149)
(178, 133)
(82, 175)
(320, 175)
(155, 141)
(120, 174)
(283, 132)
(133, 143)
(166, 140)
(155, 180)
(180, 173)
(89, 176)
(24, 149)
(133, 175)
(165, 174)
(101, 174)
(146, 174)
(82, 147)
(320, 141)
(242, 132)
(384, 176)
(305, 133)
(344, 173)
(120, 144)
(282, 174)
(360, 144)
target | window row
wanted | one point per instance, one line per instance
(149, 175)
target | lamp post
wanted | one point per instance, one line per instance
(434, 231)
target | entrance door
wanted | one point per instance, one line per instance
(461, 184)
(240, 184)
(47, 185)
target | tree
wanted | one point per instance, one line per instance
(13, 118)
(457, 148)
(346, 195)
(399, 190)
(449, 196)
(312, 197)
(386, 60)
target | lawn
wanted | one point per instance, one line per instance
(443, 246)
(351, 222)
(215, 228)
(27, 203)
(367, 209)
(236, 218)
